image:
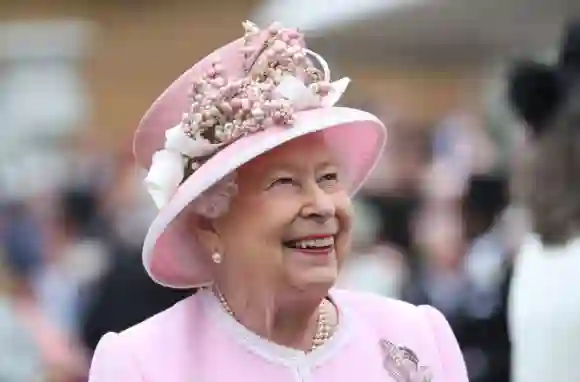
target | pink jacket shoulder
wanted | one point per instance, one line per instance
(157, 345)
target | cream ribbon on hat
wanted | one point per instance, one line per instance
(167, 170)
(168, 165)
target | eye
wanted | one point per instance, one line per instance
(329, 178)
(283, 181)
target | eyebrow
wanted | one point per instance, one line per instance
(328, 163)
(293, 168)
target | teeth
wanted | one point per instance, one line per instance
(316, 243)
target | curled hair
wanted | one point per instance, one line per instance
(537, 91)
(215, 202)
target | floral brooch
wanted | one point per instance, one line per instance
(402, 364)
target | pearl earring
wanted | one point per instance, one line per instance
(216, 257)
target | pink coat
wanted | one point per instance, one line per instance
(197, 341)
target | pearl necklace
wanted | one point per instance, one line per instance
(323, 329)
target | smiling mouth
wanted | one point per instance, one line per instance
(322, 244)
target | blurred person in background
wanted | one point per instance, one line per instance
(483, 335)
(373, 266)
(466, 271)
(124, 295)
(254, 185)
(20, 356)
(545, 295)
(76, 257)
(393, 191)
(32, 347)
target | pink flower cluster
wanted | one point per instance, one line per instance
(223, 110)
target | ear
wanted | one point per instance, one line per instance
(206, 234)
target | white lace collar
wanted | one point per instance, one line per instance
(276, 353)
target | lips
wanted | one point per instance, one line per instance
(319, 244)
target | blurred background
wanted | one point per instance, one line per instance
(434, 224)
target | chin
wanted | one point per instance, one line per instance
(312, 273)
(317, 280)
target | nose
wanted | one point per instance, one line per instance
(319, 206)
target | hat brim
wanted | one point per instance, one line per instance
(172, 256)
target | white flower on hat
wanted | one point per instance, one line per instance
(178, 141)
(168, 166)
(337, 89)
(165, 175)
(303, 98)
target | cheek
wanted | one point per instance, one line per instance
(344, 214)
(256, 228)
(249, 250)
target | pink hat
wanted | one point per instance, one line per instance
(244, 99)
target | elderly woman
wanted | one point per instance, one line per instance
(544, 306)
(254, 184)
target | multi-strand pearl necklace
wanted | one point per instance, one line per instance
(323, 330)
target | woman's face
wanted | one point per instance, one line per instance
(289, 225)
